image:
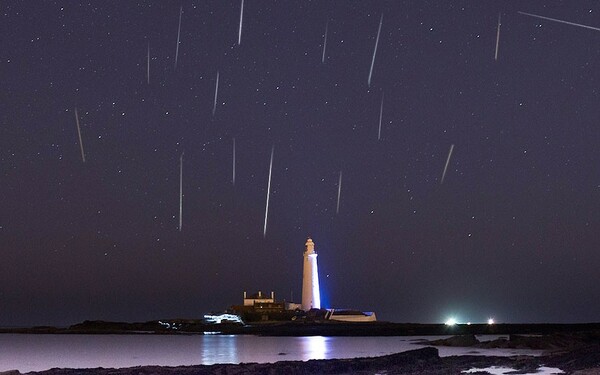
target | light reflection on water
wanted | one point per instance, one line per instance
(315, 347)
(41, 352)
(244, 349)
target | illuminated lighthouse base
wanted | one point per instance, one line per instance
(311, 296)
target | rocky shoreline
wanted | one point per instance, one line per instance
(574, 349)
(585, 361)
(577, 353)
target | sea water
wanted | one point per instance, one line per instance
(27, 352)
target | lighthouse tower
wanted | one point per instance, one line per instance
(311, 297)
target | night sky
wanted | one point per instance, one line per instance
(512, 233)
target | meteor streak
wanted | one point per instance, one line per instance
(337, 210)
(268, 193)
(216, 93)
(148, 65)
(375, 50)
(447, 162)
(560, 21)
(178, 34)
(180, 191)
(233, 174)
(380, 118)
(79, 134)
(241, 18)
(497, 37)
(324, 42)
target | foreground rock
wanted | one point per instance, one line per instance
(555, 342)
(585, 360)
(456, 341)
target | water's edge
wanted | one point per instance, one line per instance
(26, 352)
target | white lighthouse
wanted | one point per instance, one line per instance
(311, 296)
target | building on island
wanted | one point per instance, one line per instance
(343, 315)
(258, 298)
(264, 307)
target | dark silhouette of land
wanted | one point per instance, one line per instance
(304, 328)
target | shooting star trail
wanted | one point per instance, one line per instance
(180, 191)
(559, 21)
(380, 118)
(268, 193)
(337, 210)
(375, 49)
(178, 34)
(79, 134)
(447, 162)
(325, 42)
(148, 65)
(233, 169)
(241, 18)
(216, 94)
(498, 37)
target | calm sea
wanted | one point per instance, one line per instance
(25, 352)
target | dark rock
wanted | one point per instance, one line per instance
(586, 357)
(456, 341)
(552, 342)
